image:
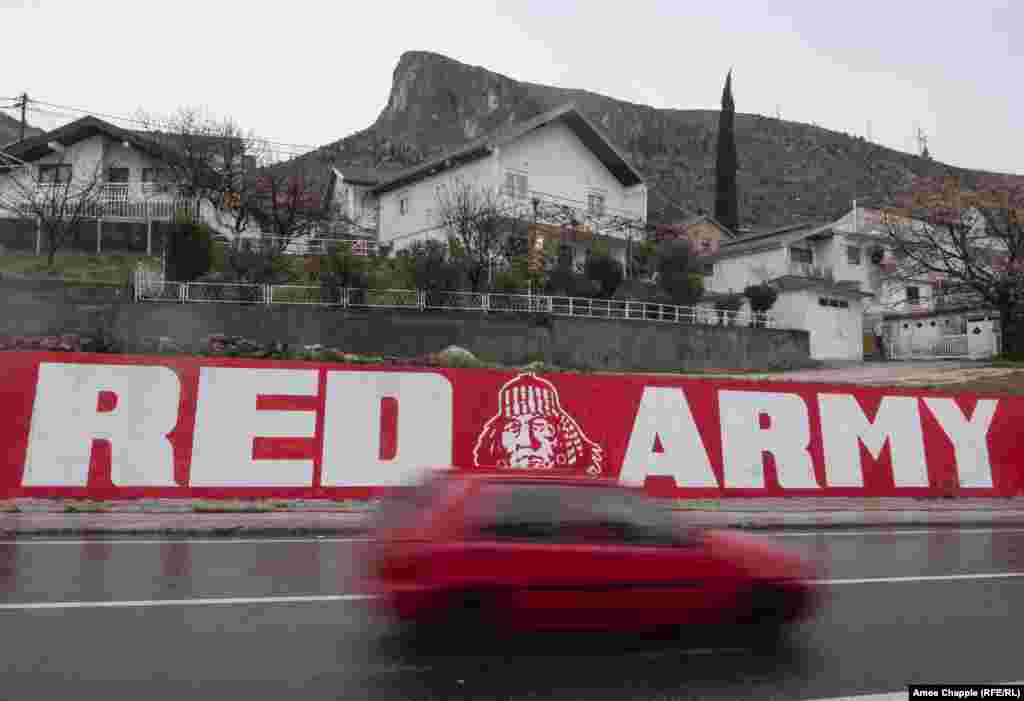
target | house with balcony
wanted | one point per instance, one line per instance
(925, 317)
(838, 281)
(817, 286)
(556, 169)
(132, 193)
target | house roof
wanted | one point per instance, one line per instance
(358, 175)
(592, 137)
(37, 147)
(702, 218)
(682, 227)
(769, 240)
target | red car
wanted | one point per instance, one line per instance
(528, 553)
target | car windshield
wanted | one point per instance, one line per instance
(400, 509)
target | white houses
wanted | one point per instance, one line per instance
(556, 161)
(807, 265)
(131, 184)
(838, 281)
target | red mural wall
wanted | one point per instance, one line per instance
(104, 426)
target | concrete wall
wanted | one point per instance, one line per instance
(597, 344)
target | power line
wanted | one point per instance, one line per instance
(150, 123)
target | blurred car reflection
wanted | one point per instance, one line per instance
(518, 553)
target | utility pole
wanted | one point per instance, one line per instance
(922, 143)
(24, 106)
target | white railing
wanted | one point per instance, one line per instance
(146, 289)
(304, 245)
(149, 189)
(383, 299)
(302, 294)
(943, 347)
(156, 209)
(116, 192)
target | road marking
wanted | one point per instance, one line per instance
(198, 541)
(919, 578)
(894, 696)
(329, 598)
(146, 603)
(828, 532)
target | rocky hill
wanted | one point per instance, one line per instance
(789, 171)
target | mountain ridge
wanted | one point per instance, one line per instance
(789, 172)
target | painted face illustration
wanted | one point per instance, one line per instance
(531, 431)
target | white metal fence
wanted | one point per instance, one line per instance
(958, 346)
(151, 289)
(303, 245)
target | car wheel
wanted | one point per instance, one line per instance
(766, 628)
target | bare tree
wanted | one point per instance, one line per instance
(59, 199)
(212, 160)
(969, 240)
(292, 200)
(477, 221)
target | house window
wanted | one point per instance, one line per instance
(801, 255)
(156, 175)
(595, 204)
(403, 205)
(853, 255)
(516, 184)
(565, 256)
(913, 295)
(118, 175)
(833, 302)
(55, 173)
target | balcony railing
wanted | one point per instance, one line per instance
(116, 192)
(147, 289)
(943, 347)
(554, 209)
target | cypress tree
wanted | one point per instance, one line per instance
(726, 198)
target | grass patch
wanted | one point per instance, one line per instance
(86, 507)
(357, 504)
(696, 504)
(112, 268)
(236, 507)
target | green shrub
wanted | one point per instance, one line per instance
(190, 250)
(606, 272)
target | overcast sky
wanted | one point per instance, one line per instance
(308, 72)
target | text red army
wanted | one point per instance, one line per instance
(343, 416)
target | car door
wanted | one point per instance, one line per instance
(653, 572)
(526, 550)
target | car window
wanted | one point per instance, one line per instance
(565, 513)
(518, 512)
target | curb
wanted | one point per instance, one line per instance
(353, 532)
(225, 532)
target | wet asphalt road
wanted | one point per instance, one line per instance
(872, 637)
